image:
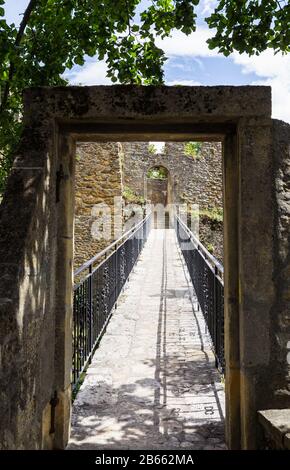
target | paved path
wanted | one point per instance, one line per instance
(152, 383)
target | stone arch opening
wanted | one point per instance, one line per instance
(158, 193)
(157, 185)
(36, 274)
(157, 181)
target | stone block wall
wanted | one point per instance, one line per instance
(157, 191)
(193, 180)
(103, 168)
(28, 331)
(98, 181)
(211, 236)
(280, 318)
(275, 426)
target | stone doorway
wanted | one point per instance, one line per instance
(157, 181)
(158, 192)
(36, 267)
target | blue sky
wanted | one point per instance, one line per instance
(190, 62)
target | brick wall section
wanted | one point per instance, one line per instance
(98, 180)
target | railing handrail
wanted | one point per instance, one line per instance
(206, 274)
(98, 291)
(208, 255)
(127, 234)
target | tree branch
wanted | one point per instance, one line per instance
(128, 20)
(32, 4)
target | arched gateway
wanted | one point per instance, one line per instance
(157, 185)
(36, 245)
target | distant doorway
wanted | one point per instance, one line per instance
(158, 194)
(157, 185)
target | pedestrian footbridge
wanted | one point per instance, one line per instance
(148, 346)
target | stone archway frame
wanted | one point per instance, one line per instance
(169, 179)
(38, 262)
(160, 211)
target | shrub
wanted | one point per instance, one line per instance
(210, 247)
(157, 173)
(193, 149)
(132, 197)
(152, 149)
(214, 215)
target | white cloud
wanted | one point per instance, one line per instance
(91, 73)
(183, 82)
(280, 97)
(193, 45)
(208, 6)
(267, 64)
(159, 146)
(274, 71)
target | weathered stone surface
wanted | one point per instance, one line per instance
(280, 318)
(26, 313)
(276, 426)
(192, 180)
(98, 181)
(287, 441)
(36, 232)
(152, 383)
(103, 169)
(207, 104)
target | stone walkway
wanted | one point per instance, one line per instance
(152, 383)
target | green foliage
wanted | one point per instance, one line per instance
(214, 214)
(210, 247)
(158, 173)
(10, 131)
(55, 35)
(132, 197)
(250, 26)
(193, 149)
(152, 149)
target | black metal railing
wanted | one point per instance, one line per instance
(207, 277)
(95, 295)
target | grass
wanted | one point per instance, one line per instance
(215, 214)
(132, 197)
